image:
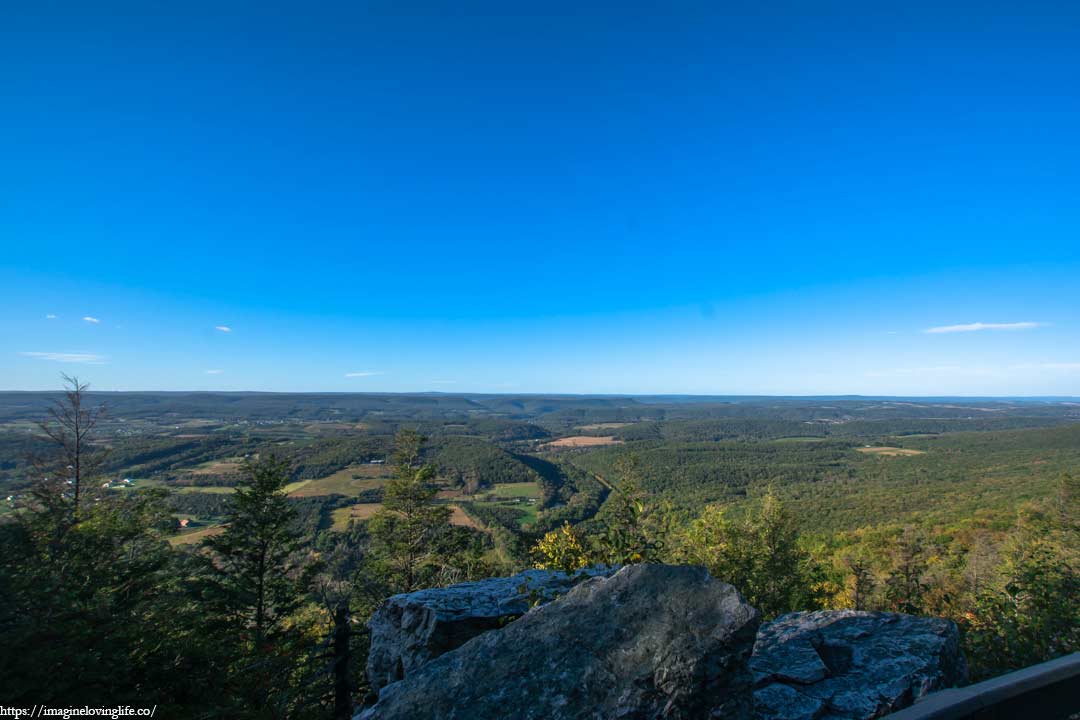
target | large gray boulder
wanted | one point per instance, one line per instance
(651, 641)
(410, 629)
(851, 665)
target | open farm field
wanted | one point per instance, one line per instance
(332, 428)
(371, 470)
(364, 511)
(890, 451)
(360, 511)
(197, 535)
(517, 490)
(292, 488)
(349, 481)
(224, 466)
(458, 517)
(580, 441)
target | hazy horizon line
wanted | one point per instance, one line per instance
(92, 390)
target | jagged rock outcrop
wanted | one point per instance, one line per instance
(851, 665)
(410, 629)
(651, 641)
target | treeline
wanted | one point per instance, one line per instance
(775, 429)
(472, 463)
(694, 474)
(716, 430)
(201, 505)
(465, 460)
(961, 480)
(832, 485)
(324, 457)
(500, 430)
(938, 426)
(16, 449)
(148, 457)
(489, 515)
(570, 494)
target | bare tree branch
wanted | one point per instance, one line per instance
(65, 477)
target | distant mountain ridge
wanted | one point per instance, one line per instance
(26, 405)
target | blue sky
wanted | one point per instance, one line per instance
(566, 197)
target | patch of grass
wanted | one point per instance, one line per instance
(197, 535)
(294, 486)
(523, 497)
(890, 451)
(576, 441)
(331, 428)
(530, 515)
(360, 511)
(458, 517)
(517, 490)
(370, 470)
(350, 481)
(224, 466)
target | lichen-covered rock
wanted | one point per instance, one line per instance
(410, 629)
(851, 665)
(651, 641)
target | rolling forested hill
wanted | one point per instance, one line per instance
(839, 484)
(527, 464)
(953, 457)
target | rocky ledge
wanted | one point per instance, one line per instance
(410, 629)
(651, 641)
(851, 665)
(648, 641)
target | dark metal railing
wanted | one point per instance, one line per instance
(1048, 691)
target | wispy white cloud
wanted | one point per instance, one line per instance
(214, 372)
(223, 328)
(50, 316)
(974, 327)
(84, 358)
(93, 320)
(361, 374)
